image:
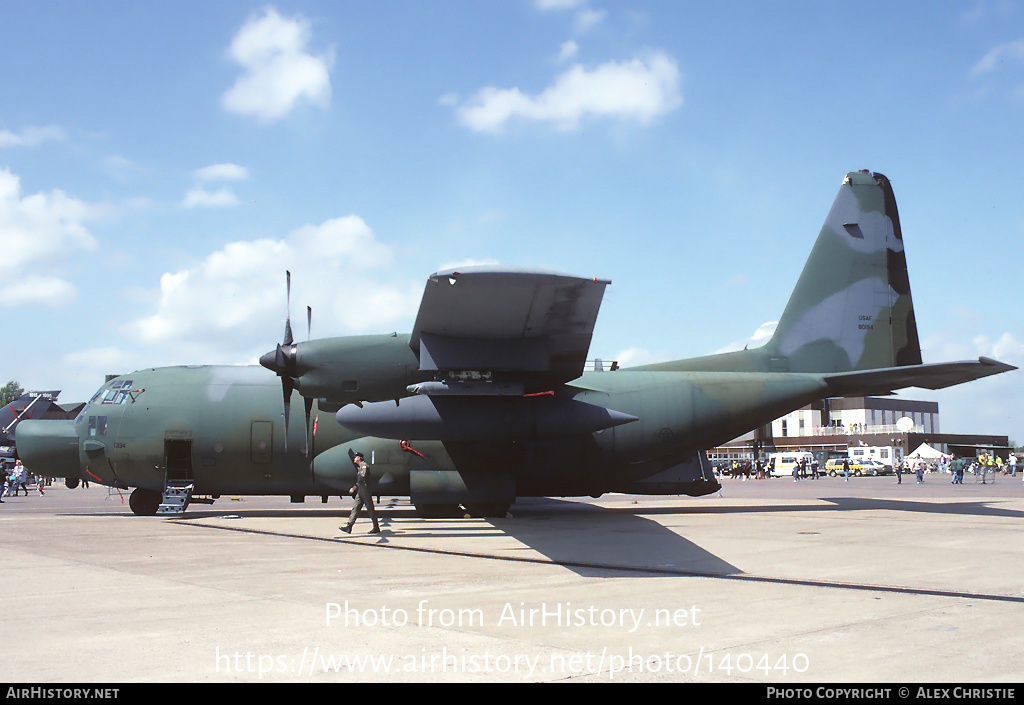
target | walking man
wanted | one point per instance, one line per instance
(361, 492)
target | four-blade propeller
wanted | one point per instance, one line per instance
(282, 361)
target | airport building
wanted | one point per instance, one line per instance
(884, 428)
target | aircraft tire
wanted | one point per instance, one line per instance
(488, 511)
(144, 503)
(71, 482)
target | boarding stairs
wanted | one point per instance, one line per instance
(176, 497)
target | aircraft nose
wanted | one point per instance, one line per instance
(48, 448)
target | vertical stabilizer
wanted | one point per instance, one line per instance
(31, 405)
(851, 308)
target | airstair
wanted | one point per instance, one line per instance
(176, 497)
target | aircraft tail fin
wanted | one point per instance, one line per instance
(851, 308)
(31, 405)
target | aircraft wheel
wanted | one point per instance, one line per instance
(71, 482)
(144, 503)
(483, 511)
(438, 511)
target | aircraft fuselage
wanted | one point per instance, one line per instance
(222, 429)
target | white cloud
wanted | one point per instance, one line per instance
(638, 90)
(761, 336)
(230, 307)
(87, 368)
(31, 136)
(279, 70)
(1008, 52)
(558, 4)
(586, 19)
(1006, 349)
(634, 357)
(568, 50)
(120, 168)
(39, 231)
(221, 198)
(221, 172)
(36, 289)
(449, 100)
(200, 197)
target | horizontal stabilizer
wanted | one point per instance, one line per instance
(934, 376)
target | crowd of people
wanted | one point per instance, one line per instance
(16, 480)
(985, 467)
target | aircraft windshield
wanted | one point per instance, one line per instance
(115, 393)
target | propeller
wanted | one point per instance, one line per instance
(310, 438)
(282, 361)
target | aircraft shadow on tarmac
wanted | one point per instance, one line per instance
(585, 538)
(980, 509)
(596, 541)
(848, 504)
(591, 540)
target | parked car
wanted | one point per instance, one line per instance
(834, 467)
(875, 467)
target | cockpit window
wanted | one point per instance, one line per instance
(115, 393)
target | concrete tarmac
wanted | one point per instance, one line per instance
(772, 581)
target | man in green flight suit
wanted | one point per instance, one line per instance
(361, 492)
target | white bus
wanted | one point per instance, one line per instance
(782, 464)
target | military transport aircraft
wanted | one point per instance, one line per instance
(488, 400)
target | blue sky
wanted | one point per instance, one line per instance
(162, 164)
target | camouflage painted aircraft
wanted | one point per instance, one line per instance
(488, 400)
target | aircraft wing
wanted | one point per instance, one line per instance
(934, 376)
(535, 325)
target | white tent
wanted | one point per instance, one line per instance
(925, 451)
